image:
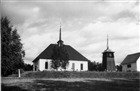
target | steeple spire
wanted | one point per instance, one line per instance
(60, 32)
(107, 42)
(108, 50)
(60, 42)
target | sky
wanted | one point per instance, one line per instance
(85, 25)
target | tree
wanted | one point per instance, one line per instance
(94, 66)
(90, 66)
(17, 50)
(5, 44)
(28, 67)
(12, 48)
(59, 57)
(119, 67)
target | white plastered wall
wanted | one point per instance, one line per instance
(42, 62)
(124, 68)
(138, 64)
(132, 68)
(77, 65)
(41, 65)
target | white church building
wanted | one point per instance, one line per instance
(131, 63)
(77, 62)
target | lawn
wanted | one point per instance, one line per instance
(70, 84)
(82, 74)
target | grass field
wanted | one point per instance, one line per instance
(69, 84)
(73, 81)
(84, 74)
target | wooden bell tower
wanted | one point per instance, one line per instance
(108, 62)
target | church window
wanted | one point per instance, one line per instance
(73, 66)
(81, 66)
(35, 68)
(129, 66)
(46, 65)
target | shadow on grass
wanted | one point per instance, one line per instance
(90, 85)
(11, 88)
(50, 85)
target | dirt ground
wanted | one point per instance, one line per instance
(69, 84)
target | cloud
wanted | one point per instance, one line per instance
(84, 25)
(65, 11)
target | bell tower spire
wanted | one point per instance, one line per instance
(60, 42)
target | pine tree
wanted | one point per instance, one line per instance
(6, 63)
(12, 49)
(17, 50)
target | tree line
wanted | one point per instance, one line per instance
(12, 51)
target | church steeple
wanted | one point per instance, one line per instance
(60, 42)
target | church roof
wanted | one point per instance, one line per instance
(132, 58)
(72, 53)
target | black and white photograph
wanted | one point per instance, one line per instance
(70, 45)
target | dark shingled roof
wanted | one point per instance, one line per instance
(132, 58)
(73, 54)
